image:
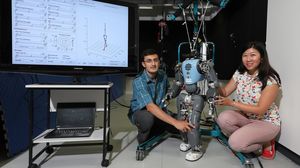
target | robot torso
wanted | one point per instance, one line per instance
(191, 72)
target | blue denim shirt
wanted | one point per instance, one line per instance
(147, 90)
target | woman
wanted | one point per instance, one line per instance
(255, 122)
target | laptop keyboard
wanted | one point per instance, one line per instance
(72, 131)
(64, 133)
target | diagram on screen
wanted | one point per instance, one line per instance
(61, 42)
(106, 46)
(104, 38)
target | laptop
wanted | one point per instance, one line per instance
(74, 120)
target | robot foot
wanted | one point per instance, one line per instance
(194, 154)
(184, 147)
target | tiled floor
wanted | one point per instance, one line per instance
(165, 155)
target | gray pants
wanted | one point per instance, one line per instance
(148, 125)
(246, 135)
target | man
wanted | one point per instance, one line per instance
(146, 109)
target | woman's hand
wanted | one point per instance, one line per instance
(224, 101)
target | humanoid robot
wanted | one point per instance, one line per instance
(195, 83)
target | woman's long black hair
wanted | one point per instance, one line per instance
(265, 70)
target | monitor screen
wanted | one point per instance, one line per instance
(72, 35)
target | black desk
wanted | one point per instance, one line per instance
(98, 135)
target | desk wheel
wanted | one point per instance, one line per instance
(49, 150)
(109, 148)
(33, 166)
(248, 164)
(105, 163)
(140, 155)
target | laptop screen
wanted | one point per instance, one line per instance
(74, 115)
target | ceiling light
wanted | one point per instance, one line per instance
(145, 7)
(168, 5)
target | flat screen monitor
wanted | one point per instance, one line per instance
(70, 35)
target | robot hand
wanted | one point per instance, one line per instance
(166, 99)
(168, 96)
(212, 106)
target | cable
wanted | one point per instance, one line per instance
(182, 7)
(114, 98)
(200, 27)
(259, 162)
(121, 104)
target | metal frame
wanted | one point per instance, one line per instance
(49, 148)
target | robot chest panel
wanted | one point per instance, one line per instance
(190, 71)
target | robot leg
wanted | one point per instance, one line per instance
(194, 118)
(181, 106)
(182, 112)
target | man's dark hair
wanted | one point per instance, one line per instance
(148, 52)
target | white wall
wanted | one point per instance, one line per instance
(283, 44)
(77, 96)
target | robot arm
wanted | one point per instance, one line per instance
(213, 84)
(211, 76)
(177, 84)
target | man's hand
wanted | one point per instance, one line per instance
(184, 126)
(181, 125)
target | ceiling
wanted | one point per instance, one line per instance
(159, 9)
(154, 2)
(155, 9)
